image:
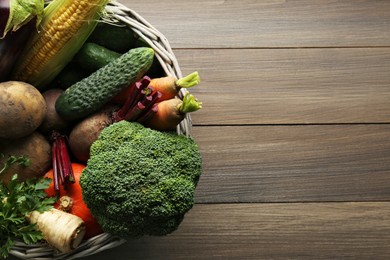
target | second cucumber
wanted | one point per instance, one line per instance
(92, 57)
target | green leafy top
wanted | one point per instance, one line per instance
(18, 199)
(23, 11)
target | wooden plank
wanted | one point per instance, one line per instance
(294, 163)
(270, 231)
(270, 23)
(290, 86)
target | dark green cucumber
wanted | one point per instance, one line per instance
(88, 59)
(92, 93)
(117, 38)
(92, 57)
(155, 71)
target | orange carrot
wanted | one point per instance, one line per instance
(169, 86)
(171, 112)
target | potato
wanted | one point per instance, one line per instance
(35, 147)
(22, 107)
(52, 121)
(87, 131)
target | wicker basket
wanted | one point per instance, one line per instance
(123, 15)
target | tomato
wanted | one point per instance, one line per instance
(77, 207)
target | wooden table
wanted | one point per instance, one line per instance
(294, 131)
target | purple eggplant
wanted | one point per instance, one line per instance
(17, 20)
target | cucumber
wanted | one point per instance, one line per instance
(117, 38)
(155, 71)
(92, 93)
(92, 57)
(88, 59)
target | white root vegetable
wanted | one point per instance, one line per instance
(60, 229)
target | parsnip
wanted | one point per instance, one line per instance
(60, 229)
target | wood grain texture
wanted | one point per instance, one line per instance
(290, 86)
(294, 130)
(270, 231)
(269, 23)
(294, 163)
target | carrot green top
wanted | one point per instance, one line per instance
(189, 104)
(189, 80)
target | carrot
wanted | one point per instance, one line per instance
(169, 86)
(61, 230)
(171, 112)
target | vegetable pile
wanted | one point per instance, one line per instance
(87, 132)
(27, 214)
(17, 201)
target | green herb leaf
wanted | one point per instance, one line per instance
(6, 243)
(18, 199)
(30, 234)
(43, 184)
(21, 160)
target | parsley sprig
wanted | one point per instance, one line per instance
(18, 199)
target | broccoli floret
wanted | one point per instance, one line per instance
(140, 181)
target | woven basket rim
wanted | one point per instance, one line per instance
(156, 40)
(117, 13)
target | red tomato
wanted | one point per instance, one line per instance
(78, 208)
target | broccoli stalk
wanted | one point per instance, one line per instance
(140, 181)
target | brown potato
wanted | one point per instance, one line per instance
(35, 147)
(22, 107)
(52, 120)
(87, 131)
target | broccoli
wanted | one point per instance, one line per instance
(140, 181)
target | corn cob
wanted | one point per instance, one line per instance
(65, 27)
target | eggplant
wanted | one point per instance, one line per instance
(17, 20)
